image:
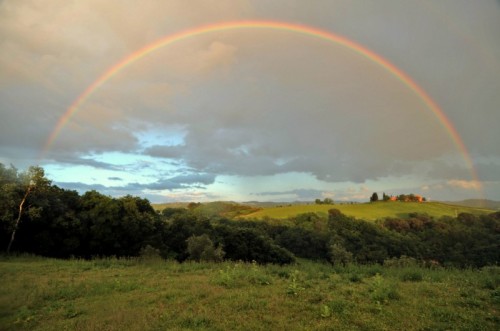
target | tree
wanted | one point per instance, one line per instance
(325, 201)
(31, 180)
(374, 197)
(8, 200)
(328, 201)
(339, 255)
(252, 245)
(201, 248)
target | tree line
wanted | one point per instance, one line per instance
(41, 218)
(402, 197)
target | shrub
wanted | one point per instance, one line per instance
(402, 261)
(381, 290)
(412, 276)
(201, 248)
(294, 287)
(148, 252)
(339, 255)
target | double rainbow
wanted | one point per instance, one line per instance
(295, 28)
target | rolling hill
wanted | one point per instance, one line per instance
(226, 209)
(369, 211)
(366, 211)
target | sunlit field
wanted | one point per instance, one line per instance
(369, 211)
(133, 294)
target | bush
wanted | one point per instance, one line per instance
(381, 290)
(148, 252)
(339, 255)
(402, 261)
(201, 248)
(412, 276)
(252, 245)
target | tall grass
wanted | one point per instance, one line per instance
(132, 294)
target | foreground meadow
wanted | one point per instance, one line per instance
(111, 294)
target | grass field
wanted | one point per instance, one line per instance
(369, 211)
(161, 206)
(111, 294)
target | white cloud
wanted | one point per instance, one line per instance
(465, 184)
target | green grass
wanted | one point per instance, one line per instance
(160, 206)
(369, 211)
(224, 209)
(213, 209)
(111, 294)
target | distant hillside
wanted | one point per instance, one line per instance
(477, 203)
(370, 211)
(161, 206)
(226, 209)
(366, 211)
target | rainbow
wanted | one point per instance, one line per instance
(296, 28)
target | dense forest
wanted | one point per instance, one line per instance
(40, 218)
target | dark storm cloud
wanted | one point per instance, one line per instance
(194, 180)
(76, 160)
(255, 102)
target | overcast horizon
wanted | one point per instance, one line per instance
(254, 114)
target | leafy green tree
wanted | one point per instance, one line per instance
(9, 195)
(170, 212)
(325, 201)
(374, 197)
(31, 180)
(118, 227)
(252, 245)
(149, 253)
(177, 230)
(201, 248)
(339, 255)
(57, 229)
(304, 243)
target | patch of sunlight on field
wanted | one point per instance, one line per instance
(369, 211)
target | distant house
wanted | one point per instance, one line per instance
(407, 198)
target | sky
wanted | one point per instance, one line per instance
(254, 114)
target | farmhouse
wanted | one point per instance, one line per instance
(407, 198)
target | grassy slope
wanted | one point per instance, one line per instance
(370, 211)
(161, 206)
(45, 294)
(224, 209)
(212, 209)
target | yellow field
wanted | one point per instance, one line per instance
(369, 211)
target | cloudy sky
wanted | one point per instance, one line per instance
(254, 114)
